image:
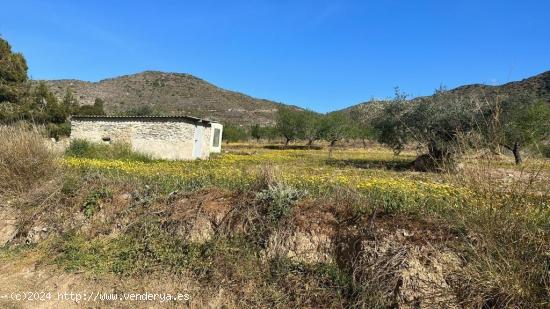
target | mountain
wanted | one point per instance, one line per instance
(537, 86)
(170, 94)
(175, 93)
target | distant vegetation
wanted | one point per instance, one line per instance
(444, 126)
(382, 236)
(22, 101)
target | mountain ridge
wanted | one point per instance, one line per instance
(173, 93)
(170, 93)
(537, 85)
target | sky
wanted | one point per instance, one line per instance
(321, 55)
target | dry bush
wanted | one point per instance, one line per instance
(506, 236)
(265, 177)
(25, 158)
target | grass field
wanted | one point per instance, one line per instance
(366, 171)
(287, 228)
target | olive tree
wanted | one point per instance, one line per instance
(524, 122)
(233, 133)
(390, 126)
(311, 126)
(362, 132)
(436, 123)
(256, 132)
(289, 124)
(334, 127)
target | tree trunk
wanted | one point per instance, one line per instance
(364, 143)
(516, 151)
(442, 158)
(310, 143)
(517, 154)
(287, 140)
(331, 147)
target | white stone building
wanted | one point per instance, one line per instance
(162, 137)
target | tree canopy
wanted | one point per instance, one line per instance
(436, 123)
(289, 123)
(13, 74)
(524, 123)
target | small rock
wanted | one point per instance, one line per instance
(36, 234)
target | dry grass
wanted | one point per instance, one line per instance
(25, 158)
(125, 224)
(506, 239)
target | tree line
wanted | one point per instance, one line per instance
(445, 125)
(295, 125)
(23, 100)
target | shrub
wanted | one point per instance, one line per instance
(505, 239)
(79, 148)
(92, 203)
(233, 133)
(280, 199)
(117, 151)
(25, 159)
(58, 130)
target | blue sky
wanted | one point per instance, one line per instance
(323, 55)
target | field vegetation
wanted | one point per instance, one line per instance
(438, 202)
(259, 226)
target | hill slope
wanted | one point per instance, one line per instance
(538, 86)
(170, 93)
(175, 93)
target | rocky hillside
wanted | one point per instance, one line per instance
(538, 86)
(175, 93)
(170, 93)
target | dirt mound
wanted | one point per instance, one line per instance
(8, 224)
(197, 216)
(401, 262)
(406, 274)
(308, 237)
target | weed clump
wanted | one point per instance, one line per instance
(92, 203)
(280, 199)
(117, 151)
(25, 159)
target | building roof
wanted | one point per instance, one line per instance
(140, 118)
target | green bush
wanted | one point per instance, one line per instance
(280, 200)
(117, 151)
(233, 133)
(91, 205)
(545, 151)
(58, 130)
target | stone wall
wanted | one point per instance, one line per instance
(162, 139)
